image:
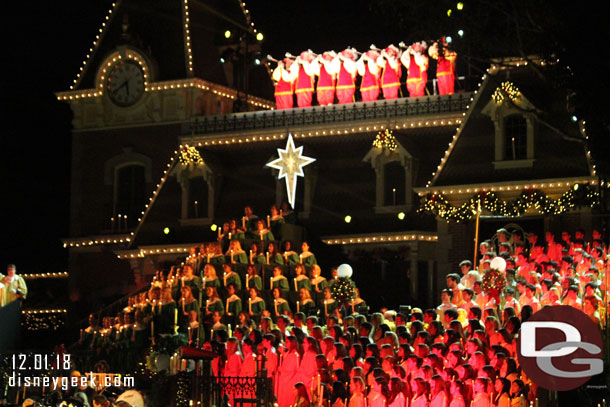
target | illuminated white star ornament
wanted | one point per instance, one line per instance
(290, 164)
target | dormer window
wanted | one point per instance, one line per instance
(393, 177)
(197, 182)
(514, 124)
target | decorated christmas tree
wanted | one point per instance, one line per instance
(343, 289)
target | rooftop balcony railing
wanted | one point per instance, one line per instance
(331, 114)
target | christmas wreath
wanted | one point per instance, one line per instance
(493, 280)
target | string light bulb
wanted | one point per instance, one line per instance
(506, 88)
(189, 156)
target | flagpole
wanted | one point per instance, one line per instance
(476, 237)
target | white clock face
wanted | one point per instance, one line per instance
(125, 83)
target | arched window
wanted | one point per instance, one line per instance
(394, 184)
(515, 137)
(130, 182)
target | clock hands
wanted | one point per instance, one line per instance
(124, 84)
(124, 92)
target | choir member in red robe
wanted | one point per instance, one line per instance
(416, 62)
(308, 369)
(305, 72)
(248, 369)
(389, 62)
(328, 66)
(369, 71)
(234, 362)
(234, 359)
(284, 78)
(346, 78)
(287, 371)
(445, 68)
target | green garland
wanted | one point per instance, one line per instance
(579, 195)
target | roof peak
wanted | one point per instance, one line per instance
(182, 38)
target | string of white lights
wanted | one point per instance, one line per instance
(96, 42)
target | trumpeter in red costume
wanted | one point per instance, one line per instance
(327, 68)
(416, 62)
(284, 78)
(389, 62)
(305, 72)
(346, 86)
(369, 71)
(445, 68)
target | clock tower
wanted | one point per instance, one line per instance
(152, 66)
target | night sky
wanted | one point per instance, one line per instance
(45, 43)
